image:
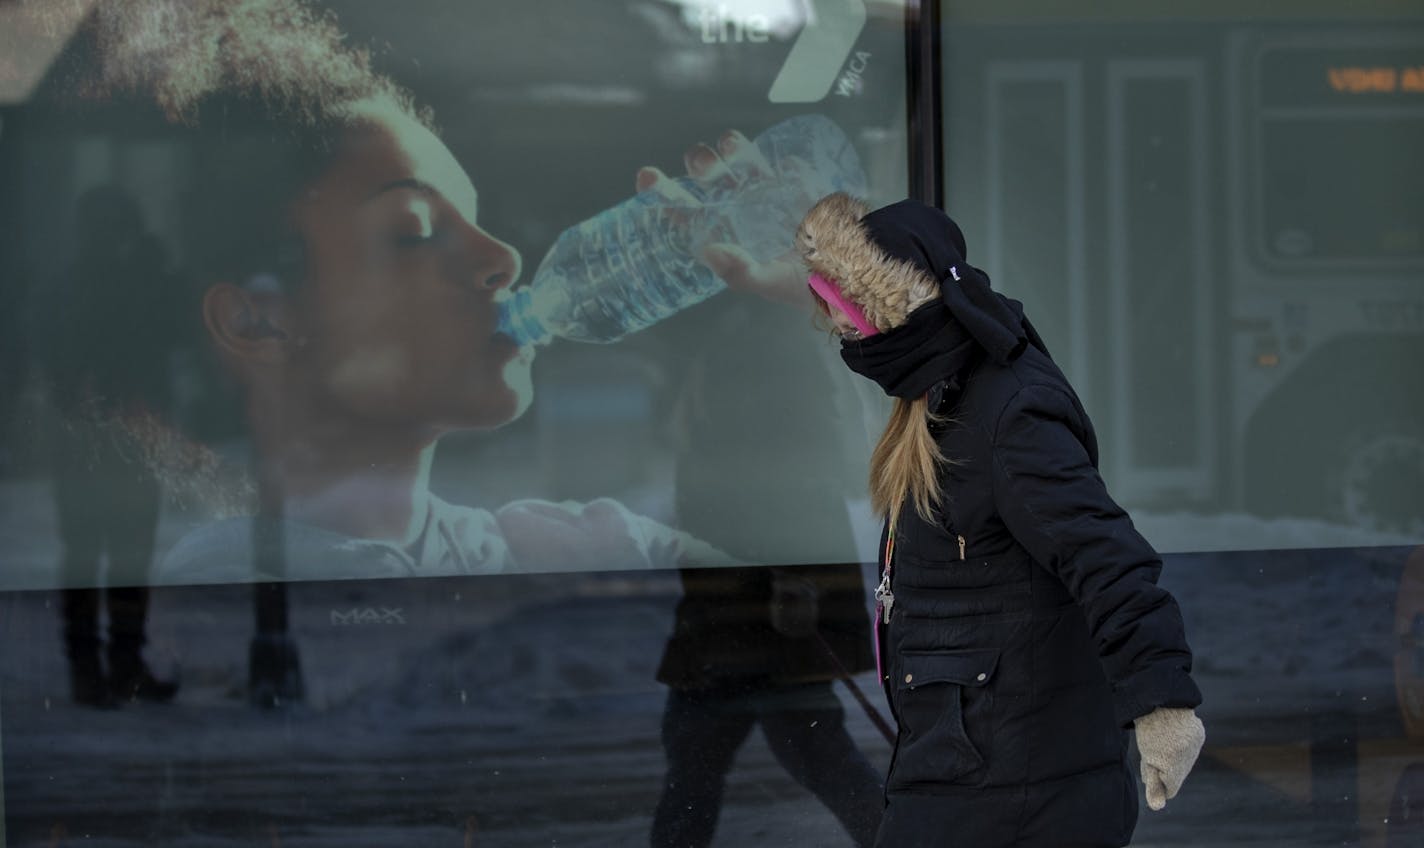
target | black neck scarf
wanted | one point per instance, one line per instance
(906, 361)
(941, 338)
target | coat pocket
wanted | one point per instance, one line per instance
(932, 691)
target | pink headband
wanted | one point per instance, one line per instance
(831, 294)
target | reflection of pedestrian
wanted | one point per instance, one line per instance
(1024, 631)
(760, 646)
(100, 365)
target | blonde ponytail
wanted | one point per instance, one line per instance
(905, 462)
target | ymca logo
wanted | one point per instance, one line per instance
(814, 64)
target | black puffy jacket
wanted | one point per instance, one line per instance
(1027, 631)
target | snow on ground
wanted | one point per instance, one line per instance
(531, 726)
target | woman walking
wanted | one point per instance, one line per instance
(1020, 627)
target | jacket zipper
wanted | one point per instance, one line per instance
(961, 547)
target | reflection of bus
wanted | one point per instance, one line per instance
(1220, 227)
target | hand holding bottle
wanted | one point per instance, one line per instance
(677, 242)
(781, 279)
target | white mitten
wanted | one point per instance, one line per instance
(1169, 740)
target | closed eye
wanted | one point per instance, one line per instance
(417, 239)
(417, 226)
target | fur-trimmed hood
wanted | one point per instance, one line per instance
(835, 243)
(900, 257)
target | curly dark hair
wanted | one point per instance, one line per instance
(269, 85)
(280, 53)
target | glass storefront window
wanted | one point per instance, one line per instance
(414, 427)
(311, 534)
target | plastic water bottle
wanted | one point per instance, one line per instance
(636, 263)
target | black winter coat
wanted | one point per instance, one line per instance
(1027, 631)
